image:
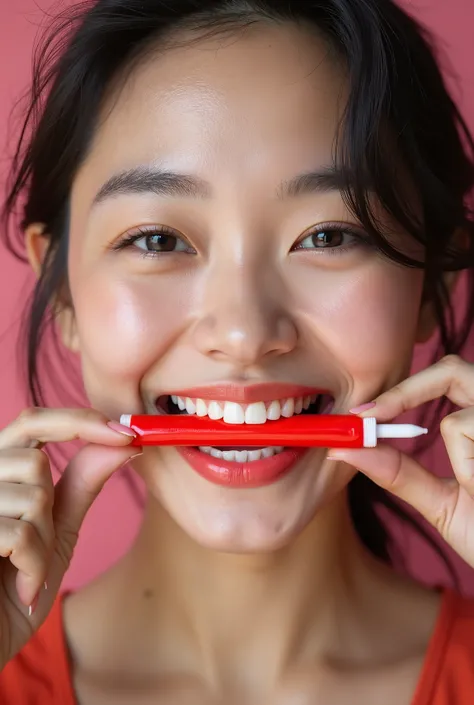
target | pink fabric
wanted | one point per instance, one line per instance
(115, 516)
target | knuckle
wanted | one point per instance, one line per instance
(24, 535)
(40, 501)
(39, 463)
(92, 415)
(397, 393)
(448, 425)
(442, 518)
(397, 390)
(27, 414)
(452, 362)
(65, 545)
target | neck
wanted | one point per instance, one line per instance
(260, 612)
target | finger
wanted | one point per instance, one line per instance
(451, 377)
(457, 431)
(79, 486)
(27, 490)
(26, 466)
(434, 498)
(21, 544)
(32, 504)
(56, 425)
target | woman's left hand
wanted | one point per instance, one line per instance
(448, 504)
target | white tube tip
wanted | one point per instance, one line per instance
(126, 420)
(403, 430)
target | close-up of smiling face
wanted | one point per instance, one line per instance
(215, 269)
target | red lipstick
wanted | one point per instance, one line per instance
(248, 394)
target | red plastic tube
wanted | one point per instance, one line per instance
(325, 431)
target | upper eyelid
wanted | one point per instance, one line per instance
(142, 231)
(139, 232)
(353, 230)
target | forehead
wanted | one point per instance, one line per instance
(267, 98)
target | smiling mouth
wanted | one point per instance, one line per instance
(234, 413)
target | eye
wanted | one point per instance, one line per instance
(155, 241)
(337, 238)
(161, 242)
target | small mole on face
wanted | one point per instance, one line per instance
(147, 594)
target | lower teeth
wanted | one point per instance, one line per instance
(242, 456)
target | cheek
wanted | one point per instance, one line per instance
(125, 326)
(368, 322)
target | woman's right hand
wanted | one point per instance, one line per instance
(40, 522)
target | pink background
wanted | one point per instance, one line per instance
(114, 518)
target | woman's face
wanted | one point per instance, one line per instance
(263, 275)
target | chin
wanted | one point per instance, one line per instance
(249, 521)
(242, 532)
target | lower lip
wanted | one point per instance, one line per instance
(256, 473)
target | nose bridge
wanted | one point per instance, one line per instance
(243, 317)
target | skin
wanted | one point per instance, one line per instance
(245, 308)
(236, 596)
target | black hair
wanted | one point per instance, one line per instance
(400, 126)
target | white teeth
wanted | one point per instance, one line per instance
(288, 408)
(215, 411)
(201, 408)
(267, 452)
(190, 406)
(242, 456)
(256, 413)
(274, 411)
(233, 413)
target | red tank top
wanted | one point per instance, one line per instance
(40, 674)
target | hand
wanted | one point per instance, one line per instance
(448, 504)
(39, 523)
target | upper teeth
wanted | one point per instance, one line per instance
(256, 413)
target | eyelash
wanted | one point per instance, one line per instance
(129, 240)
(360, 239)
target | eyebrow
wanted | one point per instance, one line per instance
(153, 179)
(322, 180)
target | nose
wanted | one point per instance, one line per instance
(243, 319)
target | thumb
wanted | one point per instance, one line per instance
(81, 483)
(433, 497)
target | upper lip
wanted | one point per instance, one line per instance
(249, 393)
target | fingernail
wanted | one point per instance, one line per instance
(335, 455)
(120, 428)
(130, 458)
(362, 407)
(33, 606)
(45, 585)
